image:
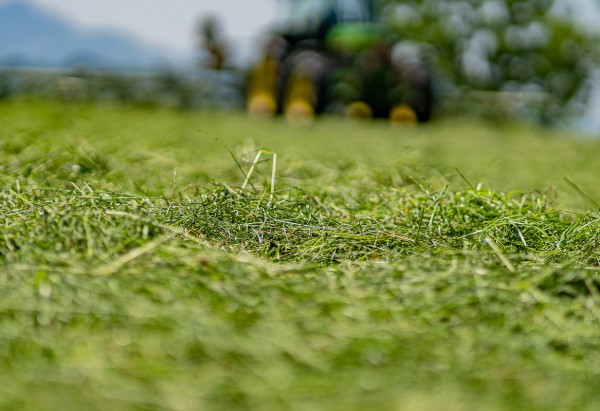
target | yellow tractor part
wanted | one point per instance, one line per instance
(300, 99)
(359, 109)
(299, 112)
(262, 89)
(403, 114)
(262, 104)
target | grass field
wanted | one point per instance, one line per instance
(453, 266)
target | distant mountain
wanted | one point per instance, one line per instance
(30, 35)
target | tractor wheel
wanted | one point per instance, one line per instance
(262, 89)
(303, 84)
(419, 95)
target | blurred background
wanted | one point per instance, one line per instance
(518, 60)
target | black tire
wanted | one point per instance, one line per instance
(420, 90)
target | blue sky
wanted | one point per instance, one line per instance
(167, 23)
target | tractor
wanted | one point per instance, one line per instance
(335, 56)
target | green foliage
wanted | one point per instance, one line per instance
(377, 277)
(501, 45)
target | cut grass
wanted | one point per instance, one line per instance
(302, 227)
(380, 275)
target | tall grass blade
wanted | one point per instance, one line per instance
(500, 255)
(582, 193)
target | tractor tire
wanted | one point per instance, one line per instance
(419, 95)
(302, 85)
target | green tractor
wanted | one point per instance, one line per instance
(334, 56)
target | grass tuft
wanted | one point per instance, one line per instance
(299, 226)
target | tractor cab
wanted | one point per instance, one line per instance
(306, 16)
(330, 22)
